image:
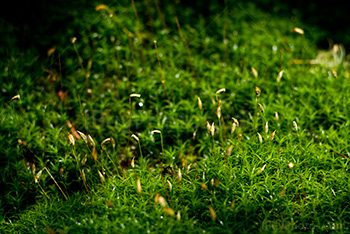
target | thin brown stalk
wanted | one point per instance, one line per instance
(60, 68)
(185, 43)
(340, 154)
(161, 72)
(131, 48)
(44, 192)
(56, 183)
(82, 113)
(76, 51)
(160, 14)
(135, 11)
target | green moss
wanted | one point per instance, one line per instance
(294, 181)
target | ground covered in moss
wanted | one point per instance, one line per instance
(145, 117)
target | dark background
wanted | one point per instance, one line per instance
(331, 16)
(37, 22)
